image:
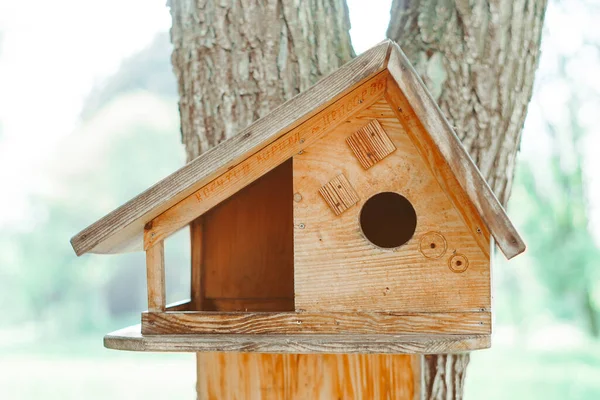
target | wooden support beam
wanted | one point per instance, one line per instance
(197, 268)
(253, 376)
(290, 323)
(264, 160)
(131, 339)
(155, 275)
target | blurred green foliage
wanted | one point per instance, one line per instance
(127, 141)
(523, 374)
(550, 205)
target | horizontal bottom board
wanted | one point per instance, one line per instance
(131, 339)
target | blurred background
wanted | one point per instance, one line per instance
(88, 119)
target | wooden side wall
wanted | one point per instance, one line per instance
(243, 255)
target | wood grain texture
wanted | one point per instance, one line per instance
(339, 194)
(338, 269)
(263, 161)
(314, 323)
(438, 165)
(248, 241)
(249, 304)
(306, 376)
(370, 144)
(443, 141)
(155, 277)
(197, 269)
(122, 229)
(131, 339)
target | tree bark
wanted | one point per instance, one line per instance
(478, 58)
(237, 60)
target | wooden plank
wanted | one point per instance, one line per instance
(314, 323)
(197, 269)
(122, 229)
(183, 305)
(337, 269)
(253, 167)
(370, 144)
(131, 339)
(155, 276)
(417, 366)
(339, 194)
(249, 243)
(252, 376)
(250, 304)
(442, 148)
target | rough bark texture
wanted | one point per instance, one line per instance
(478, 58)
(444, 376)
(236, 60)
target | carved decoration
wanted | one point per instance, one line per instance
(339, 194)
(370, 144)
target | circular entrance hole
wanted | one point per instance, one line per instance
(388, 220)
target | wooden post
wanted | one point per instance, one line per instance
(253, 376)
(155, 275)
(196, 260)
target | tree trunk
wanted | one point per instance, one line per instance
(237, 60)
(478, 59)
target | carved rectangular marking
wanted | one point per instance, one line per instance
(339, 194)
(370, 144)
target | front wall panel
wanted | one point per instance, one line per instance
(337, 269)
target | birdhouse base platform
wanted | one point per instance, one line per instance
(131, 339)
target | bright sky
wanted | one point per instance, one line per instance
(51, 58)
(51, 55)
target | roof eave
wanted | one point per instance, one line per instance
(122, 229)
(450, 146)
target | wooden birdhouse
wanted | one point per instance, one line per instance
(348, 220)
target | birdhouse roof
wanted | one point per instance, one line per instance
(122, 230)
